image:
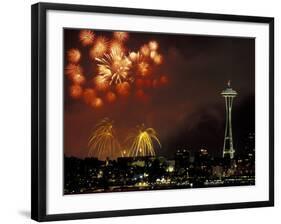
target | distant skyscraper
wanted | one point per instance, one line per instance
(229, 94)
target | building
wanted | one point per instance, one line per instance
(229, 94)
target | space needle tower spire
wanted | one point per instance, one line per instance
(229, 94)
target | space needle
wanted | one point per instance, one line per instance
(229, 94)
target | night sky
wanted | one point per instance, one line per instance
(188, 112)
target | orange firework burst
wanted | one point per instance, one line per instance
(86, 37)
(89, 95)
(116, 46)
(99, 48)
(158, 59)
(153, 54)
(73, 55)
(145, 50)
(75, 91)
(140, 66)
(73, 69)
(133, 56)
(110, 97)
(78, 79)
(101, 83)
(123, 89)
(143, 68)
(97, 103)
(153, 45)
(121, 36)
(114, 67)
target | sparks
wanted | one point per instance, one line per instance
(140, 66)
(101, 83)
(114, 67)
(97, 103)
(72, 70)
(142, 141)
(103, 142)
(99, 48)
(78, 79)
(89, 95)
(145, 50)
(158, 59)
(86, 37)
(116, 46)
(73, 55)
(75, 91)
(153, 45)
(121, 36)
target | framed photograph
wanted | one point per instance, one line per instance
(138, 111)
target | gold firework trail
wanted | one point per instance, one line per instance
(142, 141)
(103, 142)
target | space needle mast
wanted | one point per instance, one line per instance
(229, 94)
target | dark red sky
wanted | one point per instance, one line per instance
(189, 112)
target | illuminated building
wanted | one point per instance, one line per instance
(229, 94)
(182, 158)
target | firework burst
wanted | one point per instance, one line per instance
(114, 67)
(140, 66)
(99, 48)
(72, 70)
(73, 55)
(86, 37)
(89, 95)
(119, 72)
(153, 45)
(103, 142)
(121, 36)
(116, 46)
(145, 50)
(101, 83)
(75, 91)
(142, 141)
(158, 59)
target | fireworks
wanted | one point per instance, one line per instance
(73, 69)
(143, 68)
(140, 65)
(121, 36)
(86, 37)
(142, 142)
(89, 95)
(116, 46)
(97, 103)
(99, 48)
(73, 55)
(101, 83)
(78, 79)
(133, 56)
(114, 67)
(110, 97)
(118, 72)
(75, 91)
(123, 89)
(158, 59)
(145, 50)
(103, 142)
(153, 45)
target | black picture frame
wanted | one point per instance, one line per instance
(39, 123)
